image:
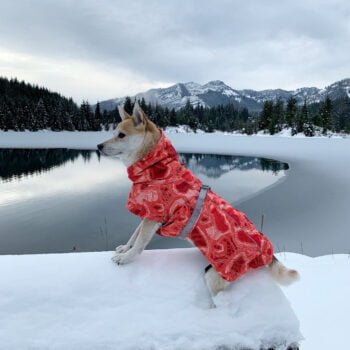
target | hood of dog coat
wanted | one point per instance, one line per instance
(155, 166)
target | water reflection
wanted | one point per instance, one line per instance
(16, 163)
(67, 200)
(212, 165)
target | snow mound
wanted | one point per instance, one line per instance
(85, 301)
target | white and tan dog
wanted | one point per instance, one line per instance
(133, 139)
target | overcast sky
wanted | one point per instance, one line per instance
(100, 49)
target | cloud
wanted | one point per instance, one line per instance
(74, 78)
(100, 49)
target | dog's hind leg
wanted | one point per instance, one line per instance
(214, 281)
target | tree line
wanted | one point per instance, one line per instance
(324, 116)
(222, 117)
(27, 107)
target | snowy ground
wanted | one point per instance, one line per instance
(96, 299)
(287, 132)
(83, 300)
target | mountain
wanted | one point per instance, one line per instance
(217, 92)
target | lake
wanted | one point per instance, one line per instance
(60, 200)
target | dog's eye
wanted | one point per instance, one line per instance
(121, 135)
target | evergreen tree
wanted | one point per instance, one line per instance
(9, 120)
(172, 118)
(326, 115)
(316, 119)
(2, 116)
(30, 123)
(187, 112)
(244, 114)
(86, 117)
(20, 119)
(98, 117)
(67, 122)
(301, 118)
(308, 128)
(277, 117)
(41, 115)
(56, 119)
(144, 106)
(340, 114)
(128, 105)
(165, 117)
(291, 112)
(266, 115)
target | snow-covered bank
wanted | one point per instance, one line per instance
(89, 139)
(83, 300)
(287, 132)
(312, 200)
(70, 301)
(50, 139)
(321, 299)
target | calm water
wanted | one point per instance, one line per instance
(61, 200)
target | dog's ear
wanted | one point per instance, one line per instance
(122, 113)
(138, 115)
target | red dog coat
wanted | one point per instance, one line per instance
(165, 191)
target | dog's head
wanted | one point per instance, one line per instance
(129, 137)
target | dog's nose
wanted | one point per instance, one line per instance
(100, 146)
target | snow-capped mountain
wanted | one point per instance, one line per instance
(217, 92)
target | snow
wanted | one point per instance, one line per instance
(84, 300)
(194, 88)
(321, 299)
(230, 93)
(182, 129)
(50, 139)
(286, 132)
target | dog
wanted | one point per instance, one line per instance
(171, 201)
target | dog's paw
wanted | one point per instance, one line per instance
(123, 258)
(122, 249)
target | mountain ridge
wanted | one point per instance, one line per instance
(216, 92)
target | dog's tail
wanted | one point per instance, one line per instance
(282, 274)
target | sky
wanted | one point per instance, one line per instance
(100, 49)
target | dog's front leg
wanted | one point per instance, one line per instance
(147, 230)
(124, 248)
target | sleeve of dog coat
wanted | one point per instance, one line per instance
(147, 203)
